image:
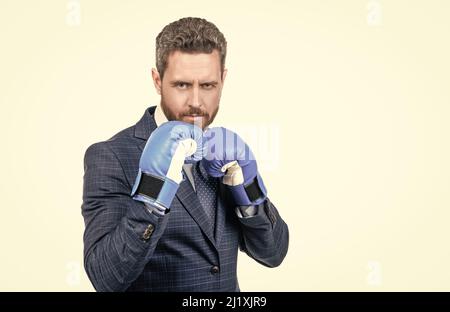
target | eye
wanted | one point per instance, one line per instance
(181, 85)
(208, 86)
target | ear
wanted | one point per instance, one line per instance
(224, 74)
(156, 80)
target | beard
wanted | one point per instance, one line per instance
(202, 118)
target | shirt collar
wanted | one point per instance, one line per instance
(160, 117)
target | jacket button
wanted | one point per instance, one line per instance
(215, 269)
(148, 232)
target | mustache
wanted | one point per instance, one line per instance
(196, 111)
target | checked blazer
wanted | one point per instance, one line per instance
(128, 248)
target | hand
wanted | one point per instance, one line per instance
(229, 157)
(161, 162)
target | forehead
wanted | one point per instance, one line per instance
(187, 66)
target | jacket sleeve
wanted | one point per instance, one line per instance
(265, 235)
(120, 233)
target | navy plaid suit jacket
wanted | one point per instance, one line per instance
(127, 248)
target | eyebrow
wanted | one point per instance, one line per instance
(175, 82)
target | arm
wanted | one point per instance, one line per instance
(121, 234)
(265, 235)
(124, 224)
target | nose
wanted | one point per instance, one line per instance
(195, 97)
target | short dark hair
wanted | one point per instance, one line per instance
(189, 34)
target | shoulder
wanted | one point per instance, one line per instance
(119, 145)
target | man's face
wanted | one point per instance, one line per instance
(191, 87)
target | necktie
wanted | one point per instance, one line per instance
(206, 188)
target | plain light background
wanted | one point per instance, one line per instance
(352, 98)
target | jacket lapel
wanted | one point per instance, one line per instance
(190, 201)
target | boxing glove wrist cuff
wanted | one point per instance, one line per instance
(253, 190)
(155, 190)
(252, 193)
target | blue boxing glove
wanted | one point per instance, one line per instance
(229, 157)
(160, 167)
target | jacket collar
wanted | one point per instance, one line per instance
(145, 126)
(153, 118)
